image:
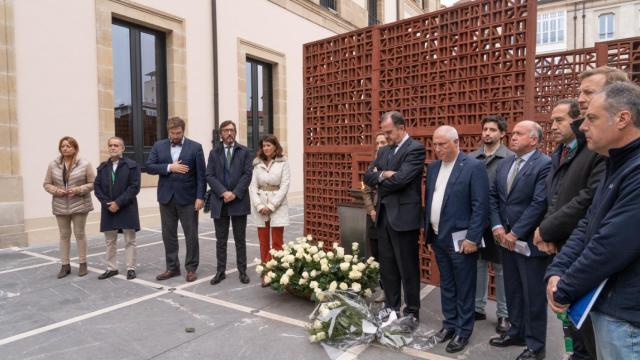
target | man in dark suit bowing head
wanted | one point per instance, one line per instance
(397, 173)
(518, 201)
(456, 210)
(179, 162)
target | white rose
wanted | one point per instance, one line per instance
(356, 287)
(320, 296)
(333, 286)
(271, 274)
(375, 265)
(322, 254)
(266, 279)
(273, 252)
(291, 244)
(370, 260)
(355, 259)
(309, 237)
(316, 258)
(302, 282)
(321, 336)
(313, 338)
(313, 250)
(307, 258)
(344, 266)
(324, 268)
(299, 255)
(289, 272)
(320, 244)
(285, 265)
(259, 269)
(324, 261)
(330, 255)
(354, 246)
(305, 275)
(355, 275)
(360, 266)
(317, 324)
(343, 286)
(334, 245)
(314, 273)
(313, 284)
(284, 280)
(367, 293)
(340, 252)
(348, 258)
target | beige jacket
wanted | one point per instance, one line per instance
(275, 175)
(81, 176)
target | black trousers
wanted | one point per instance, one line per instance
(399, 266)
(526, 297)
(170, 214)
(239, 224)
(584, 342)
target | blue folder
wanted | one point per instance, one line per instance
(579, 310)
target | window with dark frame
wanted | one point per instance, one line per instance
(259, 92)
(139, 87)
(329, 4)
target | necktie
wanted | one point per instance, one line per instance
(228, 156)
(513, 175)
(565, 152)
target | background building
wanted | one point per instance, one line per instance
(576, 24)
(97, 68)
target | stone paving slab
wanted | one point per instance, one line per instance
(42, 317)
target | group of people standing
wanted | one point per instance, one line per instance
(240, 183)
(552, 228)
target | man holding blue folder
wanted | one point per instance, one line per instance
(605, 244)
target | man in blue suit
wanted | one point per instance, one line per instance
(457, 205)
(229, 173)
(179, 162)
(518, 203)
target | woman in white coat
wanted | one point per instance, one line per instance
(268, 192)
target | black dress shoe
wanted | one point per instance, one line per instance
(219, 277)
(503, 325)
(529, 354)
(458, 343)
(244, 278)
(107, 274)
(131, 274)
(479, 316)
(444, 335)
(506, 340)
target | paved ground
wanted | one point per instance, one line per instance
(42, 317)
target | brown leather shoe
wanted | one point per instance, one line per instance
(191, 276)
(168, 274)
(83, 269)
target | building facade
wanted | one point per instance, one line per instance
(98, 68)
(576, 24)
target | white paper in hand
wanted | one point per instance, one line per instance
(460, 236)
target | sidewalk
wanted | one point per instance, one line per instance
(42, 317)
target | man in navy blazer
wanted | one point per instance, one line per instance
(229, 173)
(457, 204)
(518, 203)
(397, 173)
(179, 162)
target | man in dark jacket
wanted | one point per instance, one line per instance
(397, 173)
(518, 203)
(179, 164)
(573, 179)
(492, 152)
(604, 245)
(229, 171)
(116, 186)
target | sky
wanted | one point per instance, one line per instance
(447, 2)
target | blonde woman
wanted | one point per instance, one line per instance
(70, 180)
(268, 192)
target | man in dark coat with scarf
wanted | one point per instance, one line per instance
(116, 186)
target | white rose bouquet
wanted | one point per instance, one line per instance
(306, 268)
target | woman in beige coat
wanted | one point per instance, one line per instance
(268, 192)
(70, 180)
